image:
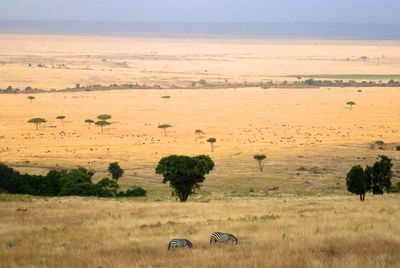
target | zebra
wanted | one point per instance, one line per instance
(223, 238)
(179, 243)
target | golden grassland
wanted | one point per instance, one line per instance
(310, 136)
(66, 60)
(294, 214)
(272, 232)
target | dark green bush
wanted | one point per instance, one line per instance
(106, 188)
(134, 192)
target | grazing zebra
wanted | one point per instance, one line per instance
(179, 243)
(223, 238)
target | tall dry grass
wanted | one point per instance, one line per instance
(273, 232)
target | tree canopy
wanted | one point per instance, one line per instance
(185, 174)
(37, 121)
(116, 171)
(102, 124)
(104, 117)
(259, 158)
(375, 179)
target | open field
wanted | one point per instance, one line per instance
(297, 213)
(49, 61)
(310, 136)
(272, 232)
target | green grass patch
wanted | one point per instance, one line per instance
(368, 77)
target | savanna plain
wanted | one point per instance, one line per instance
(296, 213)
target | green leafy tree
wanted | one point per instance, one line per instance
(358, 182)
(89, 122)
(185, 174)
(61, 118)
(164, 127)
(116, 171)
(104, 117)
(37, 121)
(212, 141)
(31, 98)
(77, 182)
(106, 188)
(102, 124)
(380, 175)
(375, 179)
(351, 104)
(260, 158)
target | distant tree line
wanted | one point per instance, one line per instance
(209, 85)
(75, 182)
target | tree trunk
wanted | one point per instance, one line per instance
(165, 132)
(37, 126)
(101, 129)
(212, 147)
(362, 197)
(260, 164)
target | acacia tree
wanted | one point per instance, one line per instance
(89, 122)
(104, 117)
(260, 158)
(376, 178)
(61, 118)
(102, 124)
(185, 174)
(164, 127)
(31, 98)
(37, 121)
(212, 141)
(116, 171)
(351, 104)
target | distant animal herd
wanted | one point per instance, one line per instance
(216, 237)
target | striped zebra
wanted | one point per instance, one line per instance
(223, 238)
(179, 243)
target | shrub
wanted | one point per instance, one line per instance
(134, 192)
(106, 188)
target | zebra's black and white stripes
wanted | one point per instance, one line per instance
(218, 237)
(179, 243)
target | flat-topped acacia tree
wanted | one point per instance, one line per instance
(164, 127)
(102, 124)
(61, 118)
(31, 98)
(89, 122)
(351, 104)
(37, 121)
(212, 141)
(104, 117)
(260, 158)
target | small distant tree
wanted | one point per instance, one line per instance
(185, 174)
(166, 97)
(351, 104)
(61, 118)
(359, 91)
(199, 132)
(116, 171)
(212, 141)
(37, 121)
(376, 178)
(203, 82)
(89, 122)
(102, 124)
(104, 117)
(31, 98)
(260, 158)
(164, 127)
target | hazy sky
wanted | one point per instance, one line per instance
(375, 11)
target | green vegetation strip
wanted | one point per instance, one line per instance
(351, 76)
